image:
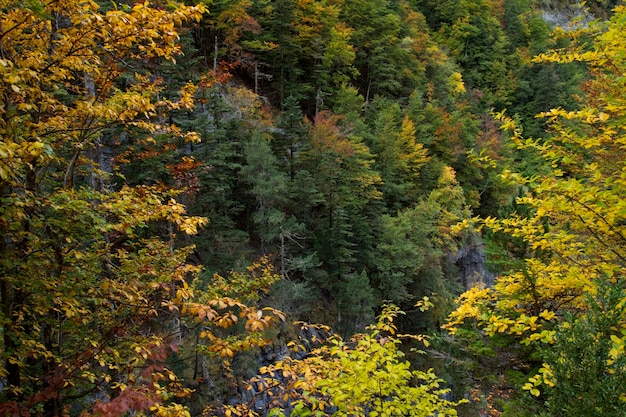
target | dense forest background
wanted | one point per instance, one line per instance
(242, 207)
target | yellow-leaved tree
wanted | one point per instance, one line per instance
(365, 376)
(570, 294)
(92, 283)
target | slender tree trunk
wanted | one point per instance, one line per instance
(369, 86)
(256, 78)
(52, 404)
(318, 101)
(1, 47)
(7, 295)
(283, 253)
(13, 298)
(13, 377)
(292, 162)
(51, 338)
(215, 56)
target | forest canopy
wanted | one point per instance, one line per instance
(296, 207)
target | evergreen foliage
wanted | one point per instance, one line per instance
(163, 165)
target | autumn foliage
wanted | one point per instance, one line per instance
(93, 291)
(158, 161)
(569, 294)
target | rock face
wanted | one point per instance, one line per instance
(566, 16)
(471, 263)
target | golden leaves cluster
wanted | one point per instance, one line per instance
(366, 375)
(58, 69)
(576, 234)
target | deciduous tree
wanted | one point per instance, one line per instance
(575, 233)
(92, 283)
(367, 375)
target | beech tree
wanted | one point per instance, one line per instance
(367, 375)
(91, 296)
(575, 237)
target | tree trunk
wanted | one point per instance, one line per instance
(13, 377)
(7, 295)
